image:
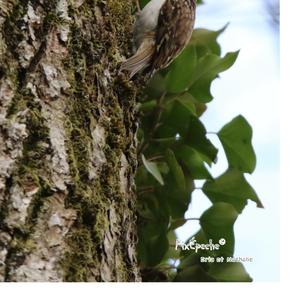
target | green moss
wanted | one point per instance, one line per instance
(121, 22)
(31, 171)
(19, 103)
(89, 57)
(94, 50)
(12, 31)
(12, 28)
(78, 264)
(84, 195)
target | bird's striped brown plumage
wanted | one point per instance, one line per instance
(158, 47)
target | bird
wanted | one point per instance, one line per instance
(161, 31)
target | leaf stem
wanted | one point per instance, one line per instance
(145, 144)
(192, 219)
(157, 157)
(144, 190)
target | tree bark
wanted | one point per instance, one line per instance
(67, 142)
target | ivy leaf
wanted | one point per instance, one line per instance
(231, 187)
(176, 80)
(207, 69)
(229, 272)
(217, 223)
(177, 223)
(153, 169)
(175, 168)
(196, 138)
(156, 87)
(152, 249)
(147, 106)
(194, 162)
(236, 139)
(189, 102)
(178, 118)
(194, 273)
(201, 238)
(206, 40)
(190, 260)
(197, 108)
(172, 252)
(201, 90)
(176, 198)
(153, 241)
(212, 65)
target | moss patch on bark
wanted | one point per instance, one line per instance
(94, 58)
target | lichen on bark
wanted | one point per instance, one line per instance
(67, 142)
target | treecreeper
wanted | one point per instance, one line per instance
(161, 31)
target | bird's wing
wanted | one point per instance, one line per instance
(141, 59)
(174, 29)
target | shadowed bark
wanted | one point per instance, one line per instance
(67, 142)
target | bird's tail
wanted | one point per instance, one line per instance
(141, 59)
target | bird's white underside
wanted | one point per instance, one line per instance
(147, 20)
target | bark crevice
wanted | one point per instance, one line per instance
(67, 142)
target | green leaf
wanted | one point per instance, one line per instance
(177, 199)
(229, 272)
(196, 138)
(194, 273)
(201, 90)
(231, 187)
(153, 169)
(197, 108)
(143, 3)
(190, 260)
(175, 168)
(156, 87)
(182, 70)
(177, 223)
(153, 248)
(201, 238)
(147, 106)
(207, 69)
(172, 252)
(152, 240)
(178, 118)
(236, 139)
(217, 223)
(206, 40)
(155, 211)
(194, 162)
(211, 65)
(189, 102)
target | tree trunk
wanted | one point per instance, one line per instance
(67, 142)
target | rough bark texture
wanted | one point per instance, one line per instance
(67, 142)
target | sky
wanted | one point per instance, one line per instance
(250, 88)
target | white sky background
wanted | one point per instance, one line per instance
(250, 88)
